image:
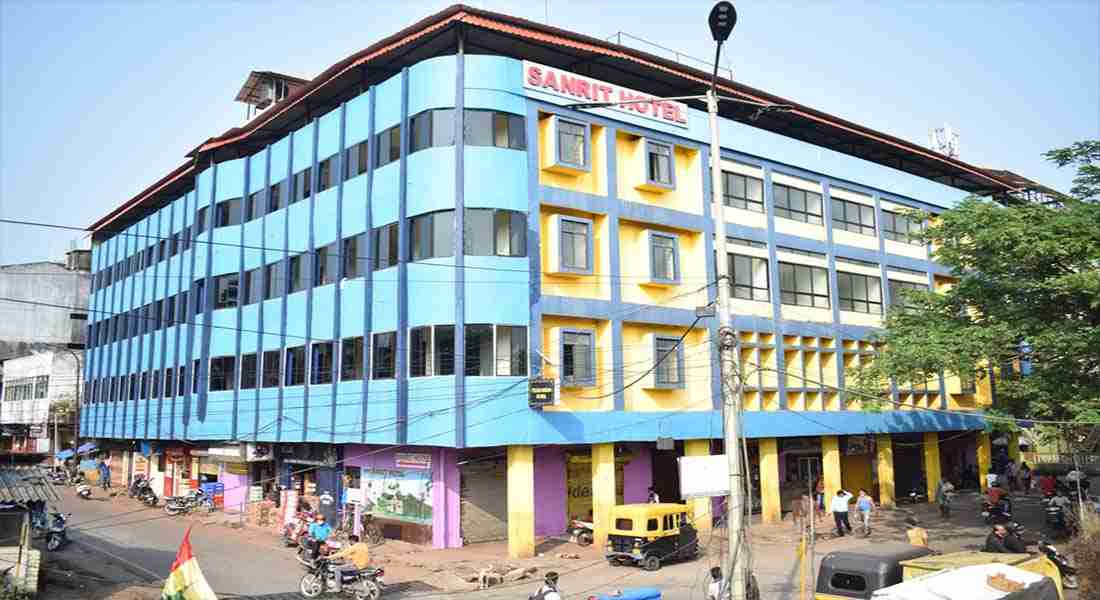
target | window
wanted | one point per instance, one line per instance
(158, 315)
(253, 286)
(859, 293)
(444, 352)
(795, 204)
(511, 350)
(169, 311)
(742, 191)
(479, 350)
(273, 280)
(624, 524)
(669, 370)
(432, 128)
(488, 128)
(432, 235)
(351, 359)
(856, 262)
(908, 271)
(384, 356)
(173, 249)
(572, 141)
(327, 264)
(302, 182)
(806, 253)
(226, 290)
(746, 242)
(296, 365)
(321, 363)
(575, 239)
(577, 358)
(162, 253)
(299, 273)
(149, 256)
(898, 291)
(185, 239)
(659, 164)
(273, 362)
(254, 206)
(900, 228)
(169, 383)
(41, 386)
(181, 385)
(198, 292)
(275, 199)
(249, 371)
(154, 384)
(664, 264)
(389, 146)
(803, 285)
(385, 246)
(223, 373)
(749, 277)
(355, 256)
(227, 212)
(324, 173)
(854, 217)
(356, 160)
(195, 372)
(848, 581)
(491, 232)
(420, 352)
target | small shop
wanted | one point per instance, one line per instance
(174, 463)
(311, 473)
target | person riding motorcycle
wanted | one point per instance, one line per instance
(358, 552)
(1003, 541)
(549, 589)
(319, 532)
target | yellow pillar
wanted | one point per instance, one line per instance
(1014, 447)
(830, 458)
(603, 491)
(931, 463)
(884, 445)
(771, 509)
(521, 501)
(701, 507)
(985, 459)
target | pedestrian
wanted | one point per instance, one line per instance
(714, 589)
(549, 589)
(840, 512)
(819, 490)
(943, 496)
(1002, 541)
(916, 534)
(864, 505)
(653, 498)
(1025, 477)
(1010, 475)
(104, 475)
(801, 509)
(1047, 484)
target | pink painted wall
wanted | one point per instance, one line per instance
(638, 475)
(446, 531)
(236, 490)
(550, 491)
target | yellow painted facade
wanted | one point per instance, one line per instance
(830, 458)
(687, 192)
(771, 503)
(985, 458)
(856, 473)
(521, 501)
(596, 285)
(884, 450)
(603, 491)
(585, 397)
(636, 285)
(638, 358)
(701, 507)
(590, 181)
(931, 463)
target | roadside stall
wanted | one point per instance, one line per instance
(18, 486)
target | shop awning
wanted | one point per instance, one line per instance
(86, 448)
(64, 454)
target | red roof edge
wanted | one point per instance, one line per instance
(178, 173)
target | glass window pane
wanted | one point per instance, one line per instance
(443, 233)
(444, 343)
(779, 196)
(820, 281)
(517, 133)
(518, 233)
(500, 130)
(479, 350)
(479, 128)
(321, 363)
(478, 232)
(383, 356)
(351, 359)
(249, 371)
(443, 127)
(420, 352)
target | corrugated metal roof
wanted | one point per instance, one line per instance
(24, 484)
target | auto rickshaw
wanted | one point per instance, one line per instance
(858, 573)
(651, 534)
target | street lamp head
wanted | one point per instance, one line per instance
(722, 19)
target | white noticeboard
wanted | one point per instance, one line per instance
(704, 476)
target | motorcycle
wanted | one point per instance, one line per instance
(135, 486)
(192, 500)
(581, 532)
(305, 550)
(145, 493)
(57, 476)
(915, 496)
(366, 584)
(297, 528)
(1069, 573)
(998, 513)
(83, 490)
(56, 535)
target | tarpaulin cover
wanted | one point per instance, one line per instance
(64, 454)
(971, 583)
(646, 593)
(85, 448)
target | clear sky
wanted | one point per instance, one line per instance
(100, 99)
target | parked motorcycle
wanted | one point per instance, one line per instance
(366, 584)
(57, 535)
(297, 528)
(135, 486)
(580, 532)
(1069, 573)
(83, 490)
(915, 496)
(192, 500)
(305, 550)
(58, 476)
(144, 492)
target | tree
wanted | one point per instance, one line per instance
(1027, 288)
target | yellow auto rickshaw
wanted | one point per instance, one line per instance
(651, 534)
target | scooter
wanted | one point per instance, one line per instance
(366, 584)
(135, 486)
(1069, 573)
(144, 492)
(580, 532)
(83, 490)
(193, 499)
(57, 535)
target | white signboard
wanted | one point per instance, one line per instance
(578, 89)
(704, 476)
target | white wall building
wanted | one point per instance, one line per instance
(31, 385)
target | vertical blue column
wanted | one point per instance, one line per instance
(710, 243)
(116, 346)
(241, 299)
(773, 282)
(338, 355)
(534, 239)
(134, 354)
(368, 276)
(263, 294)
(882, 273)
(164, 334)
(284, 268)
(834, 290)
(615, 275)
(208, 295)
(311, 250)
(460, 243)
(401, 424)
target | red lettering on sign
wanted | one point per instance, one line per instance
(534, 76)
(667, 111)
(551, 81)
(679, 117)
(605, 93)
(581, 87)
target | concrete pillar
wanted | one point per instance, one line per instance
(931, 463)
(521, 501)
(603, 491)
(884, 445)
(830, 459)
(771, 504)
(985, 459)
(701, 507)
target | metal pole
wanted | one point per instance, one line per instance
(727, 343)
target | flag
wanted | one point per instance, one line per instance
(185, 581)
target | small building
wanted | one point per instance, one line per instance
(21, 484)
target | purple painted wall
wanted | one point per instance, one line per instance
(550, 492)
(236, 490)
(445, 485)
(638, 475)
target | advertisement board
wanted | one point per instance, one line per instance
(398, 494)
(704, 476)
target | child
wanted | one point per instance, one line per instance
(864, 504)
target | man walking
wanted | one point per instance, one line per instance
(864, 505)
(105, 475)
(840, 512)
(943, 496)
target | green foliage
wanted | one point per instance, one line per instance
(1028, 287)
(1086, 157)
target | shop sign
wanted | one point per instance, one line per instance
(354, 495)
(236, 468)
(311, 454)
(408, 460)
(540, 392)
(257, 452)
(578, 88)
(855, 445)
(38, 430)
(229, 452)
(400, 495)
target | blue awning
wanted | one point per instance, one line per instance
(86, 448)
(64, 454)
